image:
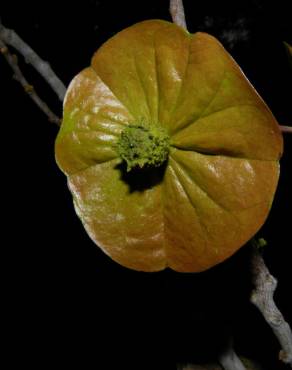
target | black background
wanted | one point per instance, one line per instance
(69, 304)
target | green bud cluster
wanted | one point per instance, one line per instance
(141, 146)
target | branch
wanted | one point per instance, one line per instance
(262, 297)
(286, 129)
(10, 37)
(177, 12)
(12, 61)
(229, 360)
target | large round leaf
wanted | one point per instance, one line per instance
(216, 189)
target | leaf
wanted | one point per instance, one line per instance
(216, 189)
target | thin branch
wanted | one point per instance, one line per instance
(29, 89)
(229, 360)
(262, 297)
(10, 37)
(286, 129)
(177, 12)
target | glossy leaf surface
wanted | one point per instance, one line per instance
(216, 189)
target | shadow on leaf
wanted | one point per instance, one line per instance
(141, 179)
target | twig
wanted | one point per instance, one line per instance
(29, 89)
(177, 12)
(286, 129)
(262, 297)
(10, 37)
(229, 360)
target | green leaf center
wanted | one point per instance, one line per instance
(142, 146)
